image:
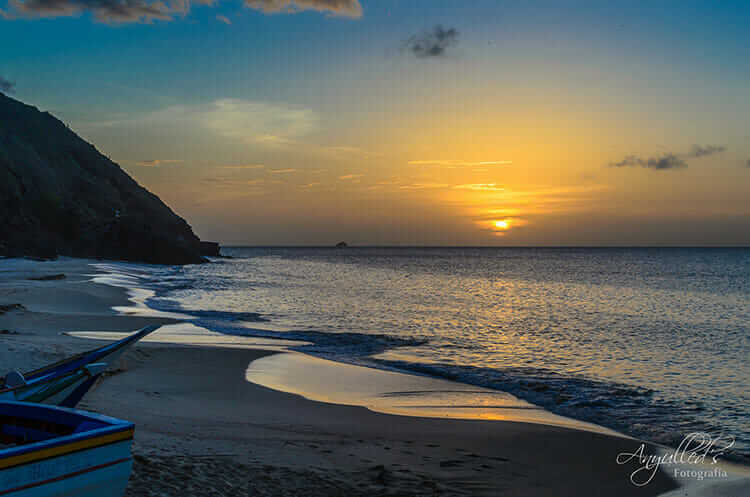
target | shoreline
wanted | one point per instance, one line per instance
(289, 370)
(193, 408)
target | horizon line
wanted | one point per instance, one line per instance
(499, 246)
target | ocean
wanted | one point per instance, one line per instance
(651, 342)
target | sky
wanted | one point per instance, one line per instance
(412, 122)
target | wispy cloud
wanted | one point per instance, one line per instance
(387, 182)
(258, 122)
(282, 171)
(222, 18)
(245, 166)
(432, 43)
(157, 162)
(350, 176)
(7, 86)
(481, 187)
(311, 185)
(245, 121)
(424, 186)
(344, 8)
(669, 160)
(459, 163)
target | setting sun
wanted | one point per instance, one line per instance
(503, 224)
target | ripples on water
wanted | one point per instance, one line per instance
(653, 342)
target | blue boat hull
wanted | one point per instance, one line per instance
(92, 460)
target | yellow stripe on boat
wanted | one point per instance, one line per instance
(61, 450)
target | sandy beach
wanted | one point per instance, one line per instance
(202, 429)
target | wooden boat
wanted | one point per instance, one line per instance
(64, 383)
(48, 451)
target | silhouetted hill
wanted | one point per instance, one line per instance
(60, 196)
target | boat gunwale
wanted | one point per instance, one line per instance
(72, 364)
(114, 431)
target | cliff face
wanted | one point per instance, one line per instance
(60, 196)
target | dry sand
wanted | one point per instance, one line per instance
(202, 429)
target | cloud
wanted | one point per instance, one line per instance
(389, 182)
(350, 176)
(666, 161)
(630, 160)
(432, 43)
(157, 162)
(343, 8)
(109, 11)
(670, 160)
(124, 11)
(245, 166)
(243, 121)
(7, 86)
(458, 163)
(481, 187)
(257, 122)
(282, 171)
(424, 186)
(699, 151)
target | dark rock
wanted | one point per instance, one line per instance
(60, 196)
(8, 332)
(49, 277)
(10, 308)
(341, 245)
(210, 249)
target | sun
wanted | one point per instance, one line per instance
(502, 225)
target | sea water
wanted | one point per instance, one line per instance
(651, 342)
